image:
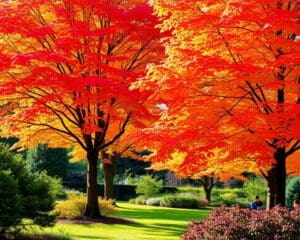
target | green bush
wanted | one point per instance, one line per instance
(194, 195)
(168, 189)
(10, 206)
(74, 206)
(216, 203)
(240, 192)
(292, 191)
(229, 198)
(153, 202)
(179, 202)
(131, 180)
(256, 186)
(149, 186)
(23, 195)
(141, 200)
(191, 189)
(242, 202)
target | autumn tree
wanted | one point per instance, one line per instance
(231, 80)
(66, 69)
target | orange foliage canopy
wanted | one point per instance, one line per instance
(66, 69)
(230, 81)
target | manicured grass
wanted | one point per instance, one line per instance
(150, 223)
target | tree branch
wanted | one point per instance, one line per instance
(119, 134)
(294, 148)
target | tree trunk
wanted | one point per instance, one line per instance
(271, 187)
(280, 157)
(109, 164)
(92, 207)
(109, 174)
(207, 194)
(208, 184)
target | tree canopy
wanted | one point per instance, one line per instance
(66, 69)
(230, 81)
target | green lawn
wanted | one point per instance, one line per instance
(150, 223)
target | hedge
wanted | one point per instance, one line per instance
(121, 191)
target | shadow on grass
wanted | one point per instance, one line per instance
(161, 228)
(142, 222)
(163, 214)
(148, 231)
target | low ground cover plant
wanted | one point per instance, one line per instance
(177, 200)
(236, 223)
(153, 201)
(222, 196)
(73, 207)
(141, 200)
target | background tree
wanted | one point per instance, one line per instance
(52, 160)
(66, 69)
(231, 80)
(293, 191)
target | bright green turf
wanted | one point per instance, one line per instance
(150, 223)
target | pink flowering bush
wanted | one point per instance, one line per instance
(236, 223)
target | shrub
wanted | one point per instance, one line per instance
(23, 195)
(167, 189)
(74, 206)
(243, 202)
(179, 202)
(292, 191)
(10, 201)
(153, 202)
(255, 186)
(190, 189)
(131, 180)
(216, 203)
(149, 186)
(236, 223)
(240, 192)
(107, 206)
(139, 200)
(229, 198)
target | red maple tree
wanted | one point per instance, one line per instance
(231, 81)
(66, 69)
